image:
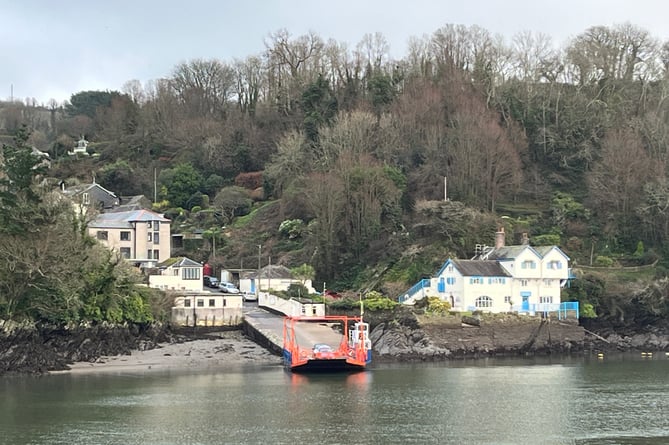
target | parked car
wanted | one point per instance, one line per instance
(323, 351)
(228, 288)
(210, 281)
(249, 296)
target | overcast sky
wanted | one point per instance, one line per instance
(52, 49)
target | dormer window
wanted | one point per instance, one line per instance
(554, 265)
(528, 264)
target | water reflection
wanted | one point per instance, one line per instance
(575, 401)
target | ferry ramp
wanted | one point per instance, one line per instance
(266, 329)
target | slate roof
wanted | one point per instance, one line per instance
(179, 262)
(122, 220)
(507, 252)
(77, 189)
(512, 252)
(483, 268)
(275, 272)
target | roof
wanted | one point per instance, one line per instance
(485, 268)
(77, 189)
(179, 262)
(125, 219)
(512, 252)
(272, 271)
(508, 252)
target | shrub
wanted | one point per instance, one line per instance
(603, 261)
(437, 306)
(587, 310)
(379, 304)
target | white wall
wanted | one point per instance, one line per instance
(174, 282)
(290, 307)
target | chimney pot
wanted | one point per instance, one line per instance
(499, 238)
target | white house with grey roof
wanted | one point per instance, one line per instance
(522, 278)
(178, 274)
(141, 236)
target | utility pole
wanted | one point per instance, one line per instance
(258, 274)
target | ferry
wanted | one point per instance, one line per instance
(326, 344)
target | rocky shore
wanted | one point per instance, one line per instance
(430, 338)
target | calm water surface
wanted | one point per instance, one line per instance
(621, 400)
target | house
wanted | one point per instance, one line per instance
(140, 236)
(521, 278)
(91, 196)
(273, 277)
(81, 147)
(178, 274)
(207, 309)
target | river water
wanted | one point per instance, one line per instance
(578, 400)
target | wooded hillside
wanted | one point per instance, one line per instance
(333, 156)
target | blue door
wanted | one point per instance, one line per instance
(253, 285)
(441, 286)
(525, 301)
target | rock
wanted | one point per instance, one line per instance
(37, 349)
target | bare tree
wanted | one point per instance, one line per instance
(204, 86)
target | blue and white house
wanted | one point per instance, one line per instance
(523, 278)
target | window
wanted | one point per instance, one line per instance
(85, 199)
(476, 280)
(103, 235)
(450, 280)
(148, 254)
(190, 273)
(200, 302)
(554, 265)
(547, 282)
(523, 283)
(156, 238)
(546, 299)
(496, 280)
(125, 252)
(528, 264)
(212, 302)
(507, 299)
(125, 236)
(156, 225)
(450, 268)
(224, 303)
(149, 237)
(156, 254)
(186, 302)
(483, 302)
(148, 224)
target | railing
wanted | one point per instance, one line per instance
(563, 310)
(413, 290)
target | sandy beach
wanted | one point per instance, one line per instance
(227, 349)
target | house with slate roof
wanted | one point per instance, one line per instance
(178, 274)
(142, 236)
(92, 196)
(522, 278)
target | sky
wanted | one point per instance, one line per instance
(53, 49)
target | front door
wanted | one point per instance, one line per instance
(525, 301)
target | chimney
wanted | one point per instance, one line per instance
(499, 238)
(524, 239)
